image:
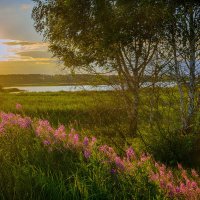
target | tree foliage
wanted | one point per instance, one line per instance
(83, 32)
(131, 38)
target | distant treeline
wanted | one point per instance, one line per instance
(39, 79)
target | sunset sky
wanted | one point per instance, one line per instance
(21, 48)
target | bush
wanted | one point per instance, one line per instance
(173, 147)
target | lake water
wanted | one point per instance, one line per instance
(76, 88)
(64, 88)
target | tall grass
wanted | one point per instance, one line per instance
(39, 161)
(104, 114)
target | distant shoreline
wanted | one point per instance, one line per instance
(11, 90)
(20, 80)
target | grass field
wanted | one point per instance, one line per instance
(39, 161)
(44, 160)
(96, 112)
(102, 113)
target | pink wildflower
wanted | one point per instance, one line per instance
(60, 133)
(86, 141)
(46, 142)
(93, 141)
(113, 171)
(119, 163)
(18, 106)
(194, 185)
(180, 166)
(130, 154)
(194, 173)
(76, 138)
(87, 153)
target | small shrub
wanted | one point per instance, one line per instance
(173, 147)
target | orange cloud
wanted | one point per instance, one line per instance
(15, 50)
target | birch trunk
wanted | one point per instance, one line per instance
(192, 61)
(178, 80)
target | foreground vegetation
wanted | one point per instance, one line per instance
(94, 111)
(41, 162)
(99, 114)
(43, 159)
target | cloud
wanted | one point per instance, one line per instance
(36, 54)
(25, 7)
(23, 43)
(24, 51)
(28, 68)
(43, 63)
(24, 57)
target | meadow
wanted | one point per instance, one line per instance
(70, 146)
(85, 111)
(91, 112)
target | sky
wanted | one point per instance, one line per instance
(22, 50)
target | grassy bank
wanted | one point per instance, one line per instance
(39, 161)
(87, 111)
(103, 114)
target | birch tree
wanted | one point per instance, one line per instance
(110, 36)
(183, 37)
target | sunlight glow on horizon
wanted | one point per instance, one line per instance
(12, 50)
(24, 57)
(5, 53)
(21, 48)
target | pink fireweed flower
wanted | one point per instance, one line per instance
(24, 122)
(76, 139)
(87, 153)
(73, 138)
(194, 173)
(18, 106)
(46, 142)
(86, 141)
(93, 141)
(194, 185)
(119, 163)
(184, 174)
(104, 148)
(169, 175)
(162, 167)
(113, 171)
(162, 183)
(144, 157)
(60, 133)
(111, 150)
(171, 189)
(108, 152)
(156, 165)
(10, 119)
(154, 176)
(130, 154)
(180, 166)
(182, 187)
(178, 190)
(44, 128)
(174, 186)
